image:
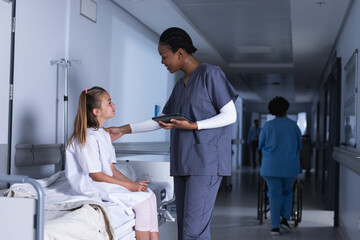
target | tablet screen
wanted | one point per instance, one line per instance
(166, 118)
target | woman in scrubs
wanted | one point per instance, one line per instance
(280, 142)
(200, 150)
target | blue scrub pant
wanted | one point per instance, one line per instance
(280, 198)
(195, 198)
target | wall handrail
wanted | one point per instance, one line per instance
(348, 158)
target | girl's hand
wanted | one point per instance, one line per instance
(181, 124)
(139, 186)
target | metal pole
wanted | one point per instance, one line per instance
(11, 84)
(40, 203)
(66, 64)
(66, 109)
(66, 106)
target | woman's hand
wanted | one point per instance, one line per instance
(181, 124)
(139, 186)
(118, 132)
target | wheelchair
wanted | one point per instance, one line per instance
(263, 202)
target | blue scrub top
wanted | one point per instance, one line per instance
(207, 151)
(280, 142)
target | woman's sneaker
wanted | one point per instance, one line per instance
(275, 231)
(285, 225)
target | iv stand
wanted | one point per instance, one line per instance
(67, 65)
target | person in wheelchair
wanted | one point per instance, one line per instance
(280, 142)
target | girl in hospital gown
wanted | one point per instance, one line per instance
(90, 159)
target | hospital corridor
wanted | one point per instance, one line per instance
(235, 213)
(122, 118)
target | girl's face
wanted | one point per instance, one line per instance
(106, 110)
(170, 59)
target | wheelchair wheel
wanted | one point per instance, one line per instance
(266, 205)
(262, 200)
(296, 212)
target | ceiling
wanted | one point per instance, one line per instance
(266, 48)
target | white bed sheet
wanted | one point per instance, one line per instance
(129, 236)
(118, 215)
(124, 229)
(76, 217)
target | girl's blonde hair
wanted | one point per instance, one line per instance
(85, 118)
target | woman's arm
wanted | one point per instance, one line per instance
(144, 126)
(226, 117)
(117, 132)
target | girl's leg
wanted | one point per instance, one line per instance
(141, 235)
(142, 220)
(287, 197)
(154, 235)
(154, 228)
(142, 216)
(275, 198)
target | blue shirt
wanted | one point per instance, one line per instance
(207, 151)
(280, 142)
(254, 134)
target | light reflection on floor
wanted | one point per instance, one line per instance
(235, 213)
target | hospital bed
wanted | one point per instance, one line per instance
(161, 183)
(58, 212)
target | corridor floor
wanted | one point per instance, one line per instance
(235, 213)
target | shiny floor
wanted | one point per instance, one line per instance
(235, 213)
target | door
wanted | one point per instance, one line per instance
(331, 134)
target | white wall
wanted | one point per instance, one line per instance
(117, 53)
(40, 31)
(349, 209)
(124, 60)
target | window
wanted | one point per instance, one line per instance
(299, 118)
(301, 122)
(350, 85)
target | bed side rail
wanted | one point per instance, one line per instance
(40, 203)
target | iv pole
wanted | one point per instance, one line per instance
(66, 64)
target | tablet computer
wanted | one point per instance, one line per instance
(166, 118)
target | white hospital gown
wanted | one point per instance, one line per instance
(96, 156)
